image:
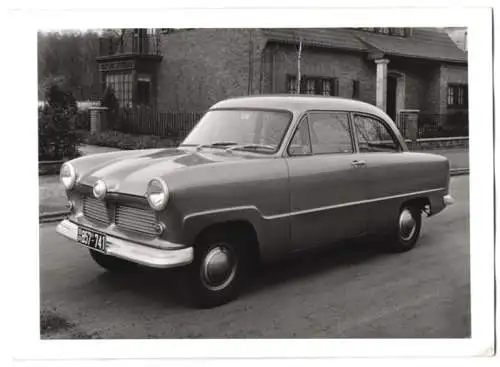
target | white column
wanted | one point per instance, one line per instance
(382, 83)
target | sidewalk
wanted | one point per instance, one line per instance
(52, 197)
(458, 157)
(94, 149)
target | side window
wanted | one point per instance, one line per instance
(374, 136)
(330, 133)
(301, 142)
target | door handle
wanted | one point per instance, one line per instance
(357, 164)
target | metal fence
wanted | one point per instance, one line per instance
(175, 125)
(434, 125)
(81, 105)
(443, 125)
(136, 41)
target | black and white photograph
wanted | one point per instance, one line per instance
(284, 183)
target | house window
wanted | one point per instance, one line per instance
(310, 86)
(458, 96)
(326, 89)
(313, 85)
(143, 90)
(121, 83)
(355, 89)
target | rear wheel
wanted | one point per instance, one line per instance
(218, 271)
(111, 263)
(408, 228)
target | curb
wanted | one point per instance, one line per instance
(57, 216)
(52, 217)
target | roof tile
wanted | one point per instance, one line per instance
(427, 43)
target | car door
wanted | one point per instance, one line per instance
(386, 169)
(326, 181)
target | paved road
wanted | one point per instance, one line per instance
(343, 292)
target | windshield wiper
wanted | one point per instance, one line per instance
(216, 144)
(252, 146)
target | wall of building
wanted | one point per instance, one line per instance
(433, 92)
(415, 87)
(455, 74)
(421, 83)
(203, 66)
(346, 67)
(450, 74)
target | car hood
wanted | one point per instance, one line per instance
(130, 172)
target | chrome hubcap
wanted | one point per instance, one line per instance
(218, 268)
(407, 224)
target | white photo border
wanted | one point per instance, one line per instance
(26, 337)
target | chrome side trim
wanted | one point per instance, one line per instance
(221, 210)
(131, 251)
(352, 203)
(314, 210)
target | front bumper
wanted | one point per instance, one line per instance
(448, 200)
(131, 251)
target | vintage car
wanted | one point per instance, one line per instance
(257, 178)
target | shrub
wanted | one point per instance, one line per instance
(116, 139)
(57, 137)
(82, 120)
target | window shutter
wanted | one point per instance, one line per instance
(303, 85)
(355, 89)
(335, 89)
(318, 87)
(291, 84)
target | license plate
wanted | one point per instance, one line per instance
(93, 240)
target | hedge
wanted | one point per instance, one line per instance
(116, 139)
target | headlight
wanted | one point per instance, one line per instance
(157, 194)
(68, 176)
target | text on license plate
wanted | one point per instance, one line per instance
(91, 239)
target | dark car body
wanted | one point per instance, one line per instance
(291, 201)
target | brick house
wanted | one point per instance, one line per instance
(396, 69)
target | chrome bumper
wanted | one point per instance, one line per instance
(448, 200)
(131, 251)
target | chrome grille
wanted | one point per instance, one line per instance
(96, 210)
(136, 219)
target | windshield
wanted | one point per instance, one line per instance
(257, 130)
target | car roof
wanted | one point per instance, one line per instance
(300, 104)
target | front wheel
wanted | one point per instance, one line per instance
(406, 234)
(217, 272)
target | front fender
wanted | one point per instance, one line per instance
(273, 232)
